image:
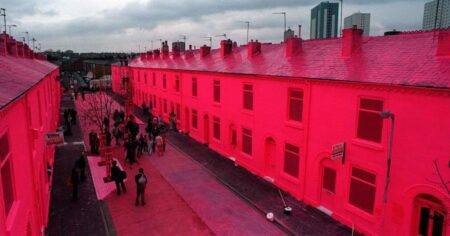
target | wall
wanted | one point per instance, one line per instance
(330, 116)
(25, 129)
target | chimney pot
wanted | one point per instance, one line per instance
(205, 50)
(253, 48)
(226, 47)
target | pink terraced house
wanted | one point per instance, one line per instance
(316, 117)
(29, 108)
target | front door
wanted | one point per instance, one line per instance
(430, 216)
(328, 187)
(270, 158)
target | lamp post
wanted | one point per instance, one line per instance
(388, 115)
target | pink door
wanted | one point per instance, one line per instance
(328, 187)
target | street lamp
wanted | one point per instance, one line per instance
(388, 115)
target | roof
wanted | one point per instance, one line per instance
(20, 74)
(406, 59)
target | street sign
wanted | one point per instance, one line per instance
(338, 151)
(54, 138)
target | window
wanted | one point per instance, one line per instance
(154, 79)
(233, 136)
(329, 179)
(291, 159)
(194, 87)
(164, 81)
(216, 128)
(138, 76)
(177, 83)
(248, 96)
(247, 141)
(194, 119)
(362, 190)
(145, 78)
(295, 104)
(6, 173)
(370, 123)
(216, 91)
(165, 106)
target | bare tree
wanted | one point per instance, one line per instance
(96, 107)
(439, 179)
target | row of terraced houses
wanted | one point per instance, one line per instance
(307, 115)
(29, 108)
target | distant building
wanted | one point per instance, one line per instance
(179, 45)
(288, 34)
(361, 20)
(324, 20)
(434, 17)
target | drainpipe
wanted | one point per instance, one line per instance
(306, 135)
(388, 115)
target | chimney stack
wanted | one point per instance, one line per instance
(149, 55)
(253, 48)
(226, 47)
(165, 50)
(351, 41)
(175, 51)
(143, 56)
(3, 43)
(205, 50)
(156, 54)
(293, 46)
(189, 53)
(20, 52)
(443, 43)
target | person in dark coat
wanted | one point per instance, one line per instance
(117, 175)
(141, 183)
(108, 138)
(81, 165)
(73, 116)
(130, 147)
(132, 127)
(106, 123)
(75, 181)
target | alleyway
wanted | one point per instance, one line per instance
(88, 216)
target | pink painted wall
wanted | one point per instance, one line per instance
(330, 116)
(29, 156)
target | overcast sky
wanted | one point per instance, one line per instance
(122, 25)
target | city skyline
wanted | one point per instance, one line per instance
(124, 25)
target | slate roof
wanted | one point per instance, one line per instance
(406, 59)
(17, 75)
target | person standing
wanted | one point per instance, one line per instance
(108, 138)
(130, 147)
(75, 181)
(81, 165)
(106, 123)
(141, 183)
(118, 175)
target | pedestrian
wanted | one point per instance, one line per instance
(91, 141)
(106, 123)
(130, 147)
(81, 165)
(108, 138)
(141, 144)
(75, 181)
(118, 175)
(141, 183)
(151, 145)
(73, 116)
(116, 134)
(159, 145)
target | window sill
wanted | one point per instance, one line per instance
(367, 144)
(216, 104)
(290, 178)
(246, 155)
(358, 212)
(294, 124)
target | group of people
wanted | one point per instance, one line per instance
(118, 176)
(70, 118)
